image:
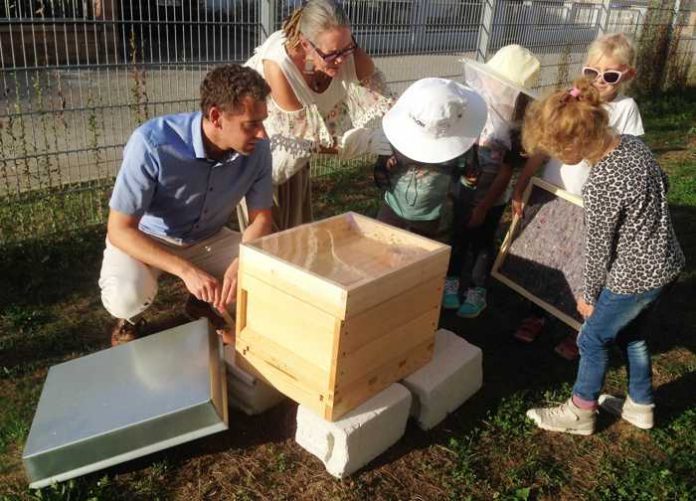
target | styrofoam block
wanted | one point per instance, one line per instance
(231, 366)
(453, 375)
(361, 435)
(252, 399)
(246, 392)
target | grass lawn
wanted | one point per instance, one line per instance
(50, 311)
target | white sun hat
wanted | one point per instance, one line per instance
(435, 120)
(513, 65)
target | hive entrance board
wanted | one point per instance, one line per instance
(332, 312)
(542, 256)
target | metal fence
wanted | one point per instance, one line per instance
(79, 75)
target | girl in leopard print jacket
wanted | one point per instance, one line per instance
(631, 251)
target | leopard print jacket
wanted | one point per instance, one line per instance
(630, 245)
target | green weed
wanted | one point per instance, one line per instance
(465, 449)
(16, 411)
(14, 428)
(23, 318)
(76, 490)
(281, 462)
(151, 485)
(53, 212)
(536, 475)
(683, 184)
(508, 420)
(630, 479)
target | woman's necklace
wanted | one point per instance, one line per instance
(318, 81)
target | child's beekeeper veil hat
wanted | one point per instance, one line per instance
(513, 65)
(512, 71)
(435, 120)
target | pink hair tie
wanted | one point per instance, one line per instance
(575, 92)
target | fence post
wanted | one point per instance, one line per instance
(603, 18)
(419, 19)
(569, 8)
(485, 32)
(675, 17)
(267, 19)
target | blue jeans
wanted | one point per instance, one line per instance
(614, 321)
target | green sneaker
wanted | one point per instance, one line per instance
(566, 418)
(450, 296)
(474, 303)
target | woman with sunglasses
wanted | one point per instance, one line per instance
(326, 97)
(609, 67)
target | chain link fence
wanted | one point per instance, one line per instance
(79, 75)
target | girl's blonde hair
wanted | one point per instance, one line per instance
(568, 122)
(617, 46)
(313, 18)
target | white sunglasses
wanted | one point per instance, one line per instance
(612, 77)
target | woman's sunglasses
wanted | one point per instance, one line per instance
(612, 77)
(331, 57)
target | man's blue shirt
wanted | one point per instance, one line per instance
(167, 179)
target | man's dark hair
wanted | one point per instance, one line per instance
(227, 86)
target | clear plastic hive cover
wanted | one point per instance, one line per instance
(344, 250)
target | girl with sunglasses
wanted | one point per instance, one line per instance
(327, 96)
(609, 67)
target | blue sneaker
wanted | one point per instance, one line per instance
(450, 296)
(474, 303)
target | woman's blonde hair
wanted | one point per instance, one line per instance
(617, 46)
(568, 122)
(313, 18)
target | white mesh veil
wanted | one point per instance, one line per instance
(499, 97)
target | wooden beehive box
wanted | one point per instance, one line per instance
(333, 312)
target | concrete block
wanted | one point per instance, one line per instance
(246, 392)
(348, 444)
(453, 375)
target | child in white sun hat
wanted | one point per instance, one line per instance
(430, 129)
(504, 82)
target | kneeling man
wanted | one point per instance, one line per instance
(181, 178)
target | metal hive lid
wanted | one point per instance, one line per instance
(127, 401)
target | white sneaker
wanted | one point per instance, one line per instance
(566, 418)
(640, 415)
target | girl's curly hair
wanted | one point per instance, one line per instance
(567, 122)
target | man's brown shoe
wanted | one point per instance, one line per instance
(124, 331)
(195, 309)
